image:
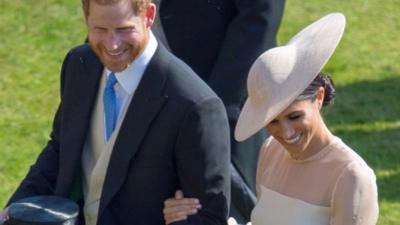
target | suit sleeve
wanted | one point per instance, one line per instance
(250, 33)
(202, 157)
(42, 176)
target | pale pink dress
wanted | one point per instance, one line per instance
(334, 186)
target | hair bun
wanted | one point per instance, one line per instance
(330, 91)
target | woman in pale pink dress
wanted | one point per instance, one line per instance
(305, 175)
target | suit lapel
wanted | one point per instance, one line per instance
(143, 108)
(79, 101)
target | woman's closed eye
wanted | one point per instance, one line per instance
(294, 117)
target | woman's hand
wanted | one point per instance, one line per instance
(179, 208)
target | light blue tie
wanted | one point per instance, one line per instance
(110, 108)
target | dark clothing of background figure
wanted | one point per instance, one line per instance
(219, 40)
(174, 136)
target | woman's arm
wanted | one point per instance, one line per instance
(355, 197)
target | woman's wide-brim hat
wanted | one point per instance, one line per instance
(282, 73)
(43, 210)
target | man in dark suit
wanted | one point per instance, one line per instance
(134, 124)
(220, 39)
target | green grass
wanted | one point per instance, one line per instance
(35, 36)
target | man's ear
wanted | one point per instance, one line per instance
(150, 14)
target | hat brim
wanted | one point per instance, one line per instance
(253, 118)
(313, 45)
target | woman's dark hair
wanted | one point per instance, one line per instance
(321, 80)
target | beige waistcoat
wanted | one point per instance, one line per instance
(95, 157)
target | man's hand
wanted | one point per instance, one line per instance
(179, 208)
(4, 215)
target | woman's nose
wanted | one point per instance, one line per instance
(287, 130)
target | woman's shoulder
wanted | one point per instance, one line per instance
(352, 163)
(355, 194)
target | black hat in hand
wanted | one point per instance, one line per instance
(40, 210)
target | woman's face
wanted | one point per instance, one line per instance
(299, 127)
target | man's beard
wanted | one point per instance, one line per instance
(133, 50)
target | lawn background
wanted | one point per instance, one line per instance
(35, 36)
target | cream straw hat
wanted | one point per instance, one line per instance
(281, 74)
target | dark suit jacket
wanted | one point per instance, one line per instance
(174, 135)
(220, 39)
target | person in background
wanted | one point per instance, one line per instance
(134, 124)
(306, 175)
(220, 39)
